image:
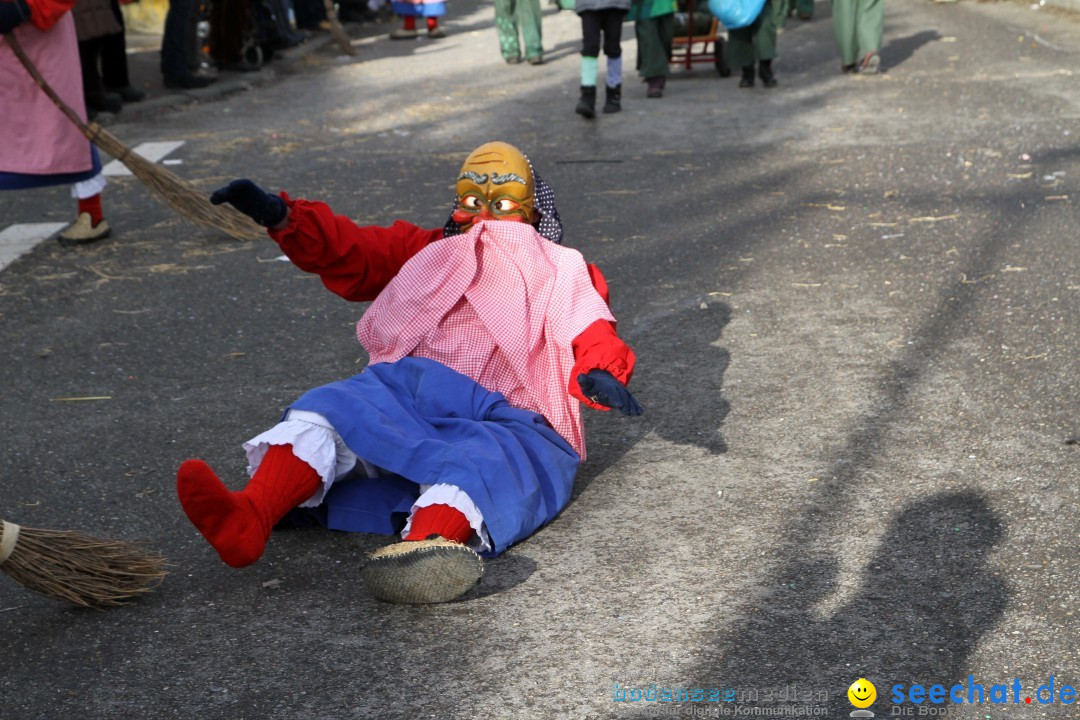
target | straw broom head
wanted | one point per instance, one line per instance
(78, 568)
(176, 192)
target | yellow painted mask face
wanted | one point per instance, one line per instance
(495, 183)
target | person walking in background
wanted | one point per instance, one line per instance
(858, 25)
(409, 10)
(786, 8)
(43, 147)
(654, 27)
(512, 16)
(755, 43)
(99, 26)
(601, 18)
(176, 46)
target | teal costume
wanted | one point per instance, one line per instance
(512, 16)
(754, 43)
(654, 27)
(858, 25)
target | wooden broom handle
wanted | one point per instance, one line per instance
(16, 48)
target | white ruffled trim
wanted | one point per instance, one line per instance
(455, 497)
(314, 441)
(88, 188)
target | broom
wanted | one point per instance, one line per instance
(81, 569)
(340, 36)
(176, 192)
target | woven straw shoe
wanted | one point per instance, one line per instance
(84, 231)
(425, 571)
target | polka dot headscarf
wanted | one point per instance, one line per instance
(550, 225)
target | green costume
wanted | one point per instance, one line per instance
(858, 25)
(754, 43)
(803, 8)
(512, 16)
(654, 26)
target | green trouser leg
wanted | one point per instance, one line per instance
(781, 10)
(755, 42)
(858, 25)
(804, 8)
(654, 38)
(528, 20)
(512, 15)
(506, 29)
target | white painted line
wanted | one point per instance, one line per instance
(152, 151)
(17, 240)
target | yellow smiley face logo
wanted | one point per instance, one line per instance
(862, 693)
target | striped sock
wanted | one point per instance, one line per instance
(588, 71)
(614, 71)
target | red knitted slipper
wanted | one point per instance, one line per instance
(238, 524)
(441, 520)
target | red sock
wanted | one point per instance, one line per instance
(410, 22)
(238, 524)
(432, 23)
(442, 520)
(91, 205)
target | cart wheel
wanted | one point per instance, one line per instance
(253, 53)
(721, 59)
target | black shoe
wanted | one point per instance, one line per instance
(187, 82)
(766, 74)
(747, 80)
(586, 106)
(108, 102)
(127, 93)
(613, 98)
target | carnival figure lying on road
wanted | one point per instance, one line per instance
(464, 432)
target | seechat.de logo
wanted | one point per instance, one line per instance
(862, 695)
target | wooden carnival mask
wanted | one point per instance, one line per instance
(495, 183)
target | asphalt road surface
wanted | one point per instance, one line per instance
(854, 302)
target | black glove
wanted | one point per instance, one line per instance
(12, 14)
(602, 388)
(247, 197)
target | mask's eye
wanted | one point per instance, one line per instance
(471, 202)
(506, 205)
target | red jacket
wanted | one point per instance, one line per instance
(356, 262)
(45, 13)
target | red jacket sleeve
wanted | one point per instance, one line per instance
(599, 348)
(45, 13)
(355, 262)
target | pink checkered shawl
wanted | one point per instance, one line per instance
(501, 294)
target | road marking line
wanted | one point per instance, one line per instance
(17, 240)
(152, 151)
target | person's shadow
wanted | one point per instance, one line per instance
(926, 598)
